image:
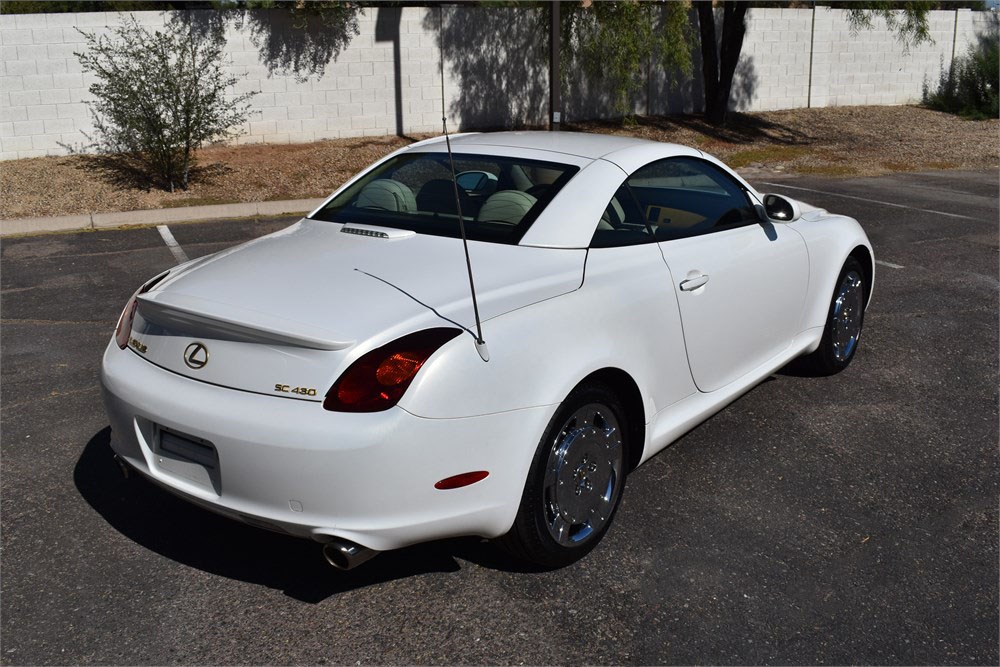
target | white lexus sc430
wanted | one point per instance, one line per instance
(341, 380)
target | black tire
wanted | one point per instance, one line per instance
(563, 494)
(846, 313)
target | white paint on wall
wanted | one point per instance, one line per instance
(495, 78)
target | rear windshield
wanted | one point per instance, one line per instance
(499, 197)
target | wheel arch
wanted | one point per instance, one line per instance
(627, 391)
(831, 241)
(864, 257)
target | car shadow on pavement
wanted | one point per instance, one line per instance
(800, 367)
(186, 534)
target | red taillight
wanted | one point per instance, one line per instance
(124, 329)
(379, 379)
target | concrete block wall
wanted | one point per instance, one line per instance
(356, 95)
(43, 88)
(848, 68)
(871, 66)
(773, 72)
(496, 73)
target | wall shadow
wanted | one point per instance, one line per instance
(679, 94)
(387, 24)
(186, 534)
(988, 32)
(745, 82)
(498, 58)
(739, 129)
(300, 39)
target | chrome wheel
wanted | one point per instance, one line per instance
(583, 475)
(845, 316)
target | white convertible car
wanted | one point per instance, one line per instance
(329, 381)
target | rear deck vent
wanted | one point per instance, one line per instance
(364, 232)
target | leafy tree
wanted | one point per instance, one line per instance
(158, 97)
(614, 42)
(63, 6)
(720, 58)
(910, 24)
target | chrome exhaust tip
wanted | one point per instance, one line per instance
(345, 555)
(122, 466)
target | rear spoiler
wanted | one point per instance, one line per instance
(205, 317)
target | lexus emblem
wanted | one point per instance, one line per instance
(196, 356)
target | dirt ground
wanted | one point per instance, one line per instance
(839, 141)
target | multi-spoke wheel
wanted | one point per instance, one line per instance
(575, 482)
(844, 321)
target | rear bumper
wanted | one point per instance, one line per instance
(289, 465)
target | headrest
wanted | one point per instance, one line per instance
(507, 206)
(387, 195)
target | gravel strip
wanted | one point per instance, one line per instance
(838, 141)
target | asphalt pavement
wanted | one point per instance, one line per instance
(842, 520)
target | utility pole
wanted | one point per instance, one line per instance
(555, 77)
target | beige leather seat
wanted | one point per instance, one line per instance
(506, 206)
(387, 195)
(613, 216)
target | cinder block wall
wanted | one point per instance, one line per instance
(496, 73)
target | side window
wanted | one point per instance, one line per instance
(622, 223)
(685, 196)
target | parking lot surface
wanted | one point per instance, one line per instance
(850, 519)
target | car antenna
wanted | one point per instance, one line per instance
(480, 343)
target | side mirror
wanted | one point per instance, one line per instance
(781, 209)
(477, 182)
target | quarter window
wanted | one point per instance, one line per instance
(685, 196)
(622, 223)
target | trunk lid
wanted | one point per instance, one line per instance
(284, 314)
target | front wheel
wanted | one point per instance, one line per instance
(575, 482)
(844, 321)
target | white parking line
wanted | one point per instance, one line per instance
(873, 201)
(889, 264)
(175, 249)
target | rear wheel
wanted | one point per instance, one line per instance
(843, 323)
(575, 482)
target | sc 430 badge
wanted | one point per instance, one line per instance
(288, 389)
(137, 345)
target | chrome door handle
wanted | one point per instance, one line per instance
(693, 283)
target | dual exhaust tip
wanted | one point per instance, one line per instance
(346, 555)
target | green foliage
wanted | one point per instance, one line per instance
(63, 6)
(616, 42)
(976, 5)
(907, 19)
(969, 87)
(158, 97)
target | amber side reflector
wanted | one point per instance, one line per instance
(458, 481)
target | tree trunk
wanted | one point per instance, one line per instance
(719, 64)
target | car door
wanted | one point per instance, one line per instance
(740, 283)
(625, 270)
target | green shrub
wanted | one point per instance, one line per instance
(969, 86)
(158, 97)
